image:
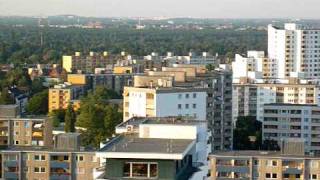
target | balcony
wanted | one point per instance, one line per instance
(11, 163)
(11, 175)
(59, 164)
(60, 176)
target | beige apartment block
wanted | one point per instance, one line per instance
(26, 131)
(263, 165)
(48, 164)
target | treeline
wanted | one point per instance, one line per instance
(28, 45)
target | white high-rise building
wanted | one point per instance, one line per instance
(295, 49)
(250, 66)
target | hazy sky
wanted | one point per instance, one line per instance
(167, 8)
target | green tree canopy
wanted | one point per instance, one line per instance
(70, 119)
(38, 103)
(97, 116)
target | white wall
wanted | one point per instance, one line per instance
(165, 131)
(137, 105)
(167, 104)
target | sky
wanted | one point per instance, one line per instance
(165, 8)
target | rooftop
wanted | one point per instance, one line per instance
(136, 121)
(131, 146)
(41, 149)
(270, 154)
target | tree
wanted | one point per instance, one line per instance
(270, 145)
(5, 97)
(57, 116)
(37, 85)
(112, 119)
(38, 104)
(210, 67)
(97, 116)
(69, 119)
(247, 128)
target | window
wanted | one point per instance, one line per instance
(179, 106)
(271, 163)
(66, 158)
(140, 170)
(26, 124)
(187, 106)
(194, 106)
(39, 169)
(187, 96)
(274, 175)
(16, 124)
(268, 175)
(39, 157)
(79, 158)
(194, 95)
(180, 96)
(17, 142)
(256, 162)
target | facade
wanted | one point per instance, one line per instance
(295, 49)
(285, 121)
(255, 65)
(61, 95)
(25, 131)
(163, 102)
(44, 164)
(159, 148)
(249, 98)
(261, 165)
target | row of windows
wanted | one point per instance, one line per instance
(194, 106)
(194, 95)
(43, 170)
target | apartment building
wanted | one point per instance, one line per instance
(185, 90)
(35, 131)
(255, 66)
(49, 163)
(285, 121)
(263, 165)
(156, 61)
(295, 49)
(61, 95)
(163, 102)
(157, 148)
(249, 97)
(86, 63)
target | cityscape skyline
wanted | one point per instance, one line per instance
(165, 8)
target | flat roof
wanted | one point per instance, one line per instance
(136, 121)
(133, 147)
(45, 149)
(252, 153)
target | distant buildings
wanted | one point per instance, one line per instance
(254, 66)
(86, 64)
(295, 50)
